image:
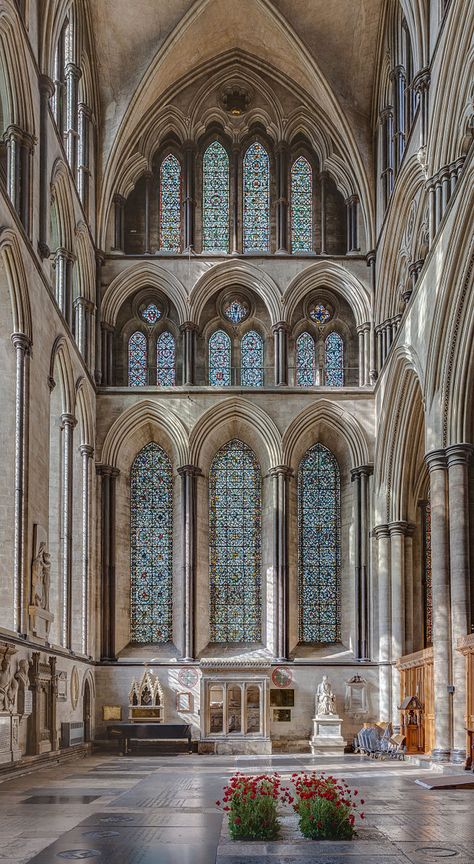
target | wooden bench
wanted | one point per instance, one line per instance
(124, 733)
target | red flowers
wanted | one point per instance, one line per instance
(325, 805)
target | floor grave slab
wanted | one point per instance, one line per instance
(155, 818)
(61, 799)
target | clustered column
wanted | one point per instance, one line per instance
(361, 476)
(458, 457)
(281, 481)
(352, 207)
(87, 453)
(22, 345)
(280, 341)
(189, 475)
(68, 422)
(437, 466)
(46, 88)
(382, 535)
(189, 158)
(188, 330)
(108, 476)
(282, 197)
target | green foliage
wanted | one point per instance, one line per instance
(252, 806)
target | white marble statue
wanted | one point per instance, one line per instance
(40, 575)
(325, 699)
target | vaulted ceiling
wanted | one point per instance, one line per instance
(340, 36)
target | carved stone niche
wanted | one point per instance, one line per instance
(42, 731)
(40, 616)
(146, 700)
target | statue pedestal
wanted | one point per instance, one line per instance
(40, 621)
(327, 739)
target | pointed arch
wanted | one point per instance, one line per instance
(135, 418)
(237, 273)
(17, 282)
(336, 419)
(240, 415)
(329, 274)
(144, 275)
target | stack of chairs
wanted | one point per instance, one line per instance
(378, 742)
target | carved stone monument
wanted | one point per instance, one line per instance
(40, 616)
(13, 690)
(327, 738)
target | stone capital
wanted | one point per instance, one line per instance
(46, 86)
(86, 450)
(371, 258)
(421, 81)
(281, 471)
(106, 470)
(68, 420)
(459, 454)
(361, 470)
(279, 326)
(188, 327)
(436, 460)
(189, 471)
(21, 342)
(406, 529)
(381, 531)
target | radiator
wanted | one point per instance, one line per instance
(72, 733)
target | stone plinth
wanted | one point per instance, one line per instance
(40, 621)
(327, 738)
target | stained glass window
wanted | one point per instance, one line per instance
(137, 360)
(215, 199)
(170, 204)
(301, 206)
(427, 581)
(251, 360)
(234, 545)
(165, 360)
(151, 539)
(334, 360)
(319, 313)
(305, 360)
(151, 314)
(256, 195)
(236, 311)
(319, 528)
(219, 359)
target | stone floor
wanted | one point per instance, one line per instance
(146, 809)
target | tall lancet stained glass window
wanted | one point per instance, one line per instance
(301, 206)
(137, 360)
(170, 204)
(334, 360)
(235, 545)
(165, 360)
(215, 199)
(251, 360)
(151, 544)
(219, 359)
(305, 360)
(256, 197)
(319, 553)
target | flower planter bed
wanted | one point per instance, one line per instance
(370, 847)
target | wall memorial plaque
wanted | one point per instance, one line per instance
(282, 676)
